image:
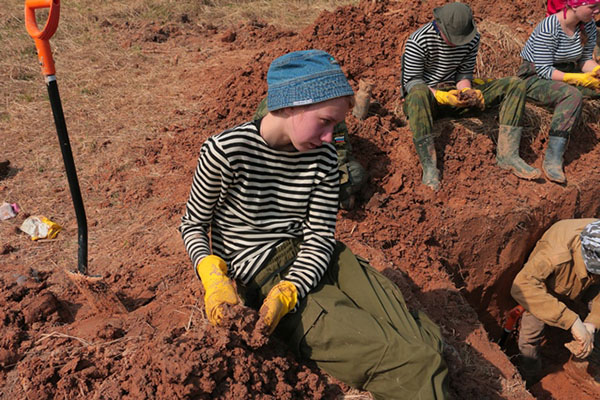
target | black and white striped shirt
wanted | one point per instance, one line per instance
(429, 59)
(548, 45)
(253, 197)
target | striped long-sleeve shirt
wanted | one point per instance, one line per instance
(548, 46)
(429, 59)
(252, 197)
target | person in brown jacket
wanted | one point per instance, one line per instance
(563, 267)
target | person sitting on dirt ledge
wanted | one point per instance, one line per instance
(563, 267)
(353, 176)
(559, 70)
(441, 55)
(268, 192)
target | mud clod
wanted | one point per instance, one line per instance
(468, 97)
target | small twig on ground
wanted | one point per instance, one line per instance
(62, 335)
(194, 308)
(189, 323)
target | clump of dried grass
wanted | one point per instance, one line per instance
(536, 121)
(499, 43)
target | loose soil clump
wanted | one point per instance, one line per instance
(469, 98)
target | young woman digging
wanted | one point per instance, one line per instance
(267, 191)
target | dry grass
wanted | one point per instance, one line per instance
(117, 94)
(497, 40)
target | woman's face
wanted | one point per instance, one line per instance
(587, 13)
(312, 125)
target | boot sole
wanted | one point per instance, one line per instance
(547, 175)
(512, 169)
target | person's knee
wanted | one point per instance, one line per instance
(571, 103)
(419, 94)
(417, 100)
(515, 80)
(517, 84)
(572, 97)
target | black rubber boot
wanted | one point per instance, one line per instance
(530, 369)
(507, 153)
(426, 153)
(553, 161)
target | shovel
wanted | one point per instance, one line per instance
(92, 287)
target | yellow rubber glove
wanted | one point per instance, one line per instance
(281, 299)
(449, 98)
(481, 81)
(218, 287)
(585, 79)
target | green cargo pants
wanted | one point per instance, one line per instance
(355, 326)
(352, 174)
(566, 99)
(421, 107)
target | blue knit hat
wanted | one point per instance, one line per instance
(305, 77)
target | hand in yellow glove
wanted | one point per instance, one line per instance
(218, 287)
(449, 98)
(585, 79)
(472, 98)
(281, 299)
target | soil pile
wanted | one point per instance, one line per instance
(120, 360)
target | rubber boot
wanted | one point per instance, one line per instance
(507, 153)
(426, 153)
(553, 161)
(530, 369)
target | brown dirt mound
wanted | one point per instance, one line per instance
(115, 362)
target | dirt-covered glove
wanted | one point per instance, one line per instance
(472, 98)
(449, 98)
(585, 79)
(281, 299)
(218, 287)
(584, 339)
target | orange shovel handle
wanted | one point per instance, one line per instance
(42, 37)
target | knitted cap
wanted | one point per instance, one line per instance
(590, 247)
(455, 20)
(305, 77)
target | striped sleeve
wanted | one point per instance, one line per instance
(211, 179)
(466, 68)
(318, 232)
(413, 64)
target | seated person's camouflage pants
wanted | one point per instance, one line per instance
(566, 99)
(352, 175)
(355, 326)
(421, 107)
